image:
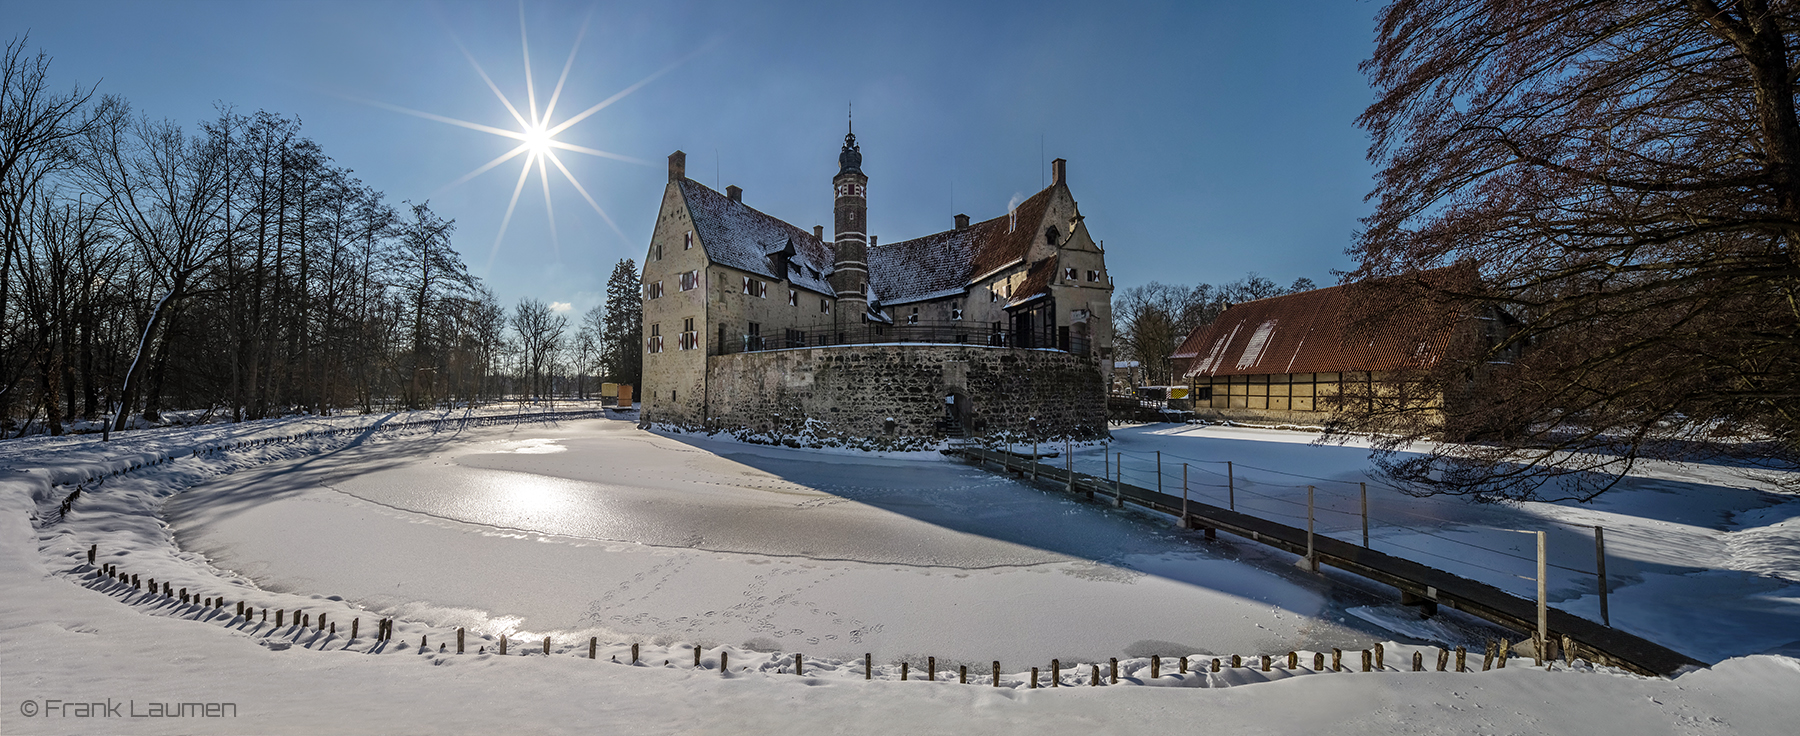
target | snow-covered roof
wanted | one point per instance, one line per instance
(1308, 332)
(944, 264)
(737, 235)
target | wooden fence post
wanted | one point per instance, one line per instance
(1237, 660)
(278, 611)
(593, 645)
(1230, 486)
(503, 645)
(1418, 662)
(1380, 658)
(903, 669)
(1462, 657)
(1034, 678)
(697, 660)
(724, 661)
(1096, 682)
(459, 637)
(1337, 659)
(868, 666)
(1293, 660)
(1365, 513)
(1215, 664)
(1184, 664)
(1155, 666)
(797, 664)
(1368, 660)
(931, 662)
(1487, 655)
(996, 673)
(1265, 662)
(1443, 659)
(1113, 676)
(1318, 661)
(634, 653)
(1505, 653)
(355, 621)
(962, 674)
(1055, 673)
(1599, 571)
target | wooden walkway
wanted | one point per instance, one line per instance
(1417, 582)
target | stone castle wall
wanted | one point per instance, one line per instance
(845, 395)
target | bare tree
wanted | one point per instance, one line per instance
(540, 334)
(1622, 180)
(40, 135)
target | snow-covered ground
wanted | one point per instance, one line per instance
(595, 529)
(1698, 558)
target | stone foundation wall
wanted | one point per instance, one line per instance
(845, 395)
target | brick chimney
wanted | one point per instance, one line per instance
(819, 232)
(734, 192)
(962, 221)
(1059, 172)
(677, 166)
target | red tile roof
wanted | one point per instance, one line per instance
(936, 264)
(1315, 332)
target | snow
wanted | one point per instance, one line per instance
(341, 525)
(1701, 559)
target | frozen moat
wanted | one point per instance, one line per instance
(597, 528)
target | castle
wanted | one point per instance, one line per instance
(760, 328)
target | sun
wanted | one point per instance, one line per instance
(536, 135)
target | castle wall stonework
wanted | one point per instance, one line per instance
(844, 395)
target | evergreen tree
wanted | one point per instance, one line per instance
(622, 343)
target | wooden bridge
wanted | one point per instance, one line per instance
(1418, 584)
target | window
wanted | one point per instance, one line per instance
(912, 318)
(654, 342)
(690, 241)
(689, 338)
(955, 311)
(756, 287)
(825, 306)
(796, 338)
(658, 252)
(793, 298)
(993, 295)
(1093, 275)
(753, 336)
(654, 290)
(690, 280)
(864, 287)
(1071, 274)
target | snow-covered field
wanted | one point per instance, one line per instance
(596, 529)
(1699, 558)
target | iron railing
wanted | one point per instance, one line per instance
(933, 333)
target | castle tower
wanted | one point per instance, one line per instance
(850, 274)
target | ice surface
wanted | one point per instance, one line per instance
(631, 535)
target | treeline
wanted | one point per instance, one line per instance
(1153, 319)
(235, 267)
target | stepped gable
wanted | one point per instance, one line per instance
(944, 264)
(1308, 332)
(737, 235)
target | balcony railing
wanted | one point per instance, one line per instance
(929, 333)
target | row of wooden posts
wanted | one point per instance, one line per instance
(1374, 659)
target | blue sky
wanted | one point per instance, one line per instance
(1204, 139)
